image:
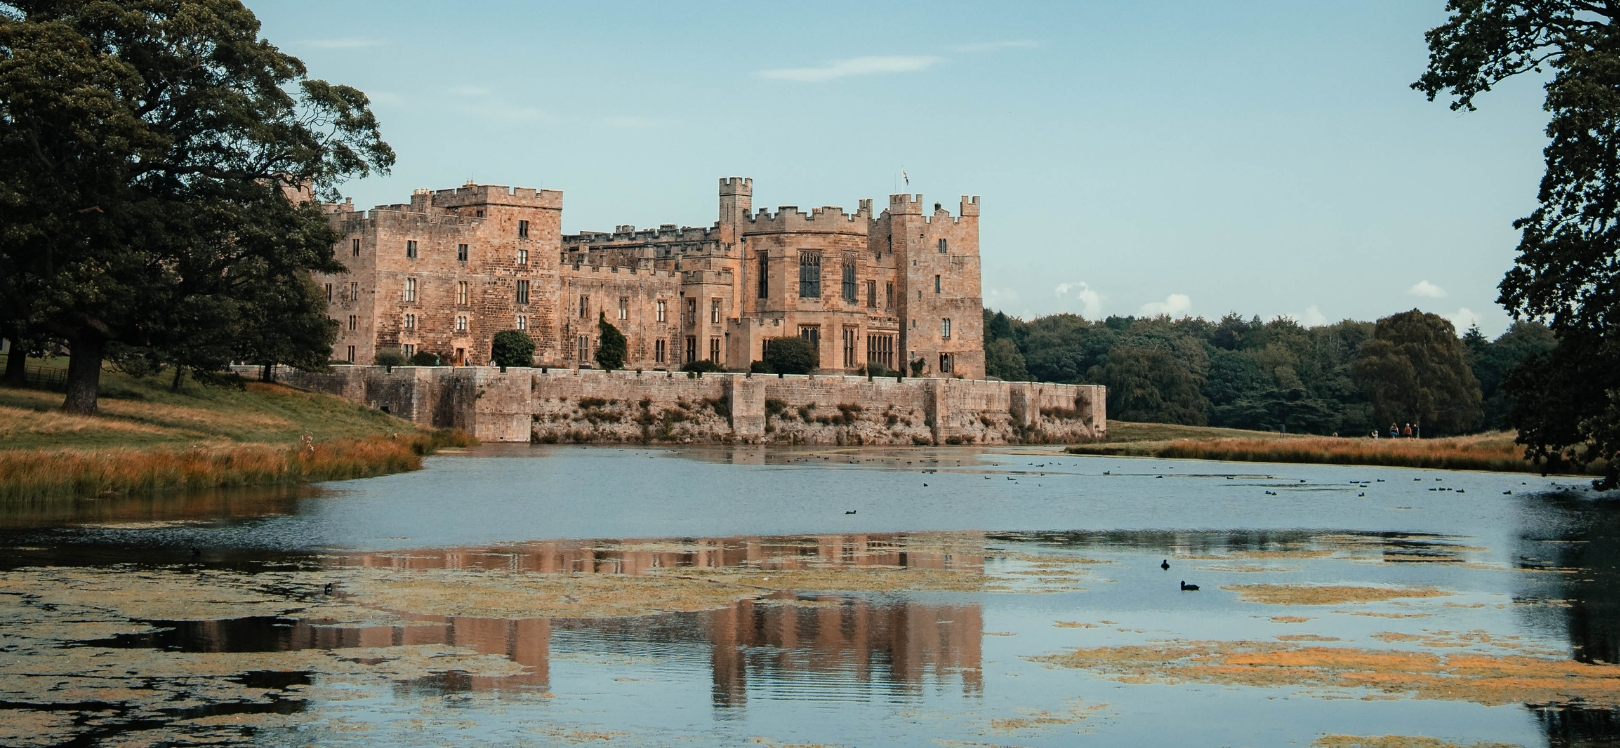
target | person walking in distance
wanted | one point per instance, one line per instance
(1394, 431)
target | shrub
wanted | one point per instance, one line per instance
(389, 358)
(512, 348)
(917, 367)
(760, 367)
(877, 370)
(790, 355)
(701, 366)
(423, 358)
(612, 349)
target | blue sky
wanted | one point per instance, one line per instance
(1191, 157)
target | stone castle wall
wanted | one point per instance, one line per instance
(572, 405)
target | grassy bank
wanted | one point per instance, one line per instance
(1493, 451)
(148, 438)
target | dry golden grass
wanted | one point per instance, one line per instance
(1311, 594)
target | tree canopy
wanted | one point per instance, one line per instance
(512, 348)
(1568, 268)
(612, 348)
(1415, 370)
(158, 162)
(789, 355)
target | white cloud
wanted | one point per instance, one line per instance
(1175, 304)
(352, 42)
(627, 123)
(1311, 317)
(993, 46)
(1462, 319)
(1090, 301)
(1427, 290)
(1000, 297)
(853, 66)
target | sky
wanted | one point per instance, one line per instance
(1184, 157)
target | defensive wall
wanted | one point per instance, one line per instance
(594, 406)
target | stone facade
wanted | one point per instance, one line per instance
(574, 405)
(445, 272)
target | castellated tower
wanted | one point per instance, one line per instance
(446, 271)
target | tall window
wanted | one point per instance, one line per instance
(354, 322)
(937, 285)
(624, 307)
(888, 296)
(871, 294)
(714, 311)
(408, 349)
(584, 306)
(945, 328)
(462, 292)
(849, 347)
(764, 275)
(354, 291)
(714, 350)
(523, 229)
(522, 322)
(691, 311)
(461, 253)
(809, 275)
(584, 349)
(410, 249)
(812, 334)
(410, 289)
(658, 351)
(943, 248)
(410, 322)
(880, 350)
(691, 348)
(663, 311)
(945, 363)
(522, 292)
(351, 354)
(328, 292)
(355, 247)
(523, 257)
(461, 323)
(849, 281)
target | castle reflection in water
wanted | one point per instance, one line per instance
(833, 643)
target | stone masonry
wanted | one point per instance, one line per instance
(574, 405)
(446, 271)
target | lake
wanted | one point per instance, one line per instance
(517, 595)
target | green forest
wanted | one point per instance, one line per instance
(1348, 378)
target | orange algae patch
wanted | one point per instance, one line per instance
(1289, 619)
(1309, 594)
(1479, 678)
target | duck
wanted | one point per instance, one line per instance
(1189, 587)
(329, 587)
(852, 511)
(1165, 564)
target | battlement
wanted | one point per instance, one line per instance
(737, 186)
(970, 207)
(668, 233)
(908, 205)
(495, 194)
(828, 219)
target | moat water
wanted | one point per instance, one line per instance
(1043, 555)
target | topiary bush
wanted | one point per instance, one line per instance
(389, 358)
(512, 348)
(612, 349)
(701, 366)
(423, 358)
(790, 355)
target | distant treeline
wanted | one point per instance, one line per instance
(1348, 378)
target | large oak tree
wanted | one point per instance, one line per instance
(155, 157)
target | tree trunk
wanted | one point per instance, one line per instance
(16, 360)
(84, 373)
(268, 373)
(179, 374)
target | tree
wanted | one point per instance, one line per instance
(1003, 361)
(139, 143)
(612, 349)
(513, 348)
(1568, 268)
(1415, 369)
(1149, 384)
(790, 355)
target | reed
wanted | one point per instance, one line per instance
(1492, 452)
(44, 474)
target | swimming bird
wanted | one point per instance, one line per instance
(329, 587)
(1189, 587)
(1363, 493)
(1165, 564)
(852, 511)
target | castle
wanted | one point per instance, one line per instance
(445, 272)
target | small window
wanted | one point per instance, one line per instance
(354, 291)
(945, 328)
(410, 322)
(461, 323)
(584, 306)
(462, 292)
(328, 292)
(355, 246)
(523, 257)
(714, 311)
(812, 334)
(523, 229)
(408, 349)
(461, 253)
(691, 348)
(522, 322)
(584, 348)
(410, 289)
(662, 313)
(522, 292)
(937, 284)
(714, 350)
(945, 363)
(624, 307)
(410, 249)
(351, 354)
(478, 213)
(658, 351)
(943, 248)
(354, 322)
